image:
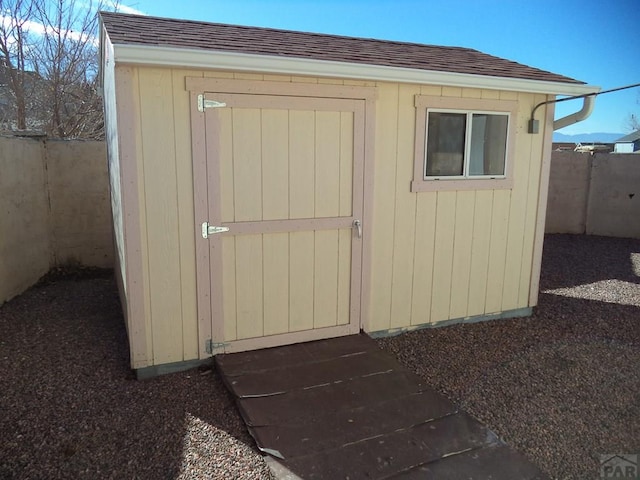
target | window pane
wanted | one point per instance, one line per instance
(445, 144)
(488, 144)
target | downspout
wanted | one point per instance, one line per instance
(588, 101)
(587, 107)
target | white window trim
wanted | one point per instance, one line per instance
(421, 183)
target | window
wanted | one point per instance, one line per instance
(463, 143)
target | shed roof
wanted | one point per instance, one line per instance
(632, 137)
(126, 29)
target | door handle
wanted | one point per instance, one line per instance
(357, 224)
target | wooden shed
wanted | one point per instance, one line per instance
(272, 187)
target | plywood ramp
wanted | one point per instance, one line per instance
(343, 408)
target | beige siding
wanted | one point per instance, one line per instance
(434, 255)
(113, 160)
(166, 222)
(278, 164)
(448, 255)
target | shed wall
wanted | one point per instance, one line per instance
(435, 255)
(448, 255)
(113, 162)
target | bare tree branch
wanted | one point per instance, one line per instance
(49, 54)
(632, 121)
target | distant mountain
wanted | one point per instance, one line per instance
(587, 137)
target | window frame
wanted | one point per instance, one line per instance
(469, 106)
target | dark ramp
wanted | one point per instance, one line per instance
(343, 408)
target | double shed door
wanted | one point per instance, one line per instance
(285, 177)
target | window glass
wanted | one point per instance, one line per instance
(445, 144)
(488, 144)
(463, 143)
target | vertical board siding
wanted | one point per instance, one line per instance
(247, 165)
(434, 255)
(294, 164)
(540, 207)
(301, 205)
(276, 283)
(325, 281)
(482, 214)
(184, 179)
(405, 211)
(162, 213)
(327, 164)
(346, 164)
(229, 281)
(448, 254)
(423, 254)
(135, 276)
(344, 277)
(497, 250)
(249, 285)
(462, 243)
(534, 164)
(166, 205)
(301, 164)
(275, 164)
(143, 253)
(383, 206)
(227, 181)
(301, 281)
(443, 255)
(518, 205)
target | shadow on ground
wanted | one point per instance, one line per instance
(572, 260)
(562, 386)
(71, 407)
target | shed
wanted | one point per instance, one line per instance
(629, 143)
(272, 187)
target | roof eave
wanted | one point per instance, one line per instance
(210, 59)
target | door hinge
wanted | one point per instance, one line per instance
(210, 346)
(202, 103)
(212, 229)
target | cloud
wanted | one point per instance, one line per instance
(37, 28)
(125, 9)
(119, 7)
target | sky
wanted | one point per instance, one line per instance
(597, 42)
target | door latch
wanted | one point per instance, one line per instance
(357, 224)
(212, 229)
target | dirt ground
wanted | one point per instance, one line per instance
(562, 386)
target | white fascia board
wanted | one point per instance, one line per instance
(207, 59)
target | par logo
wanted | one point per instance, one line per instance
(619, 466)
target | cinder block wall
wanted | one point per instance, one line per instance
(594, 194)
(25, 251)
(54, 209)
(81, 226)
(614, 196)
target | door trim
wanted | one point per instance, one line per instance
(204, 145)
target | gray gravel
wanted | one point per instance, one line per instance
(70, 408)
(562, 386)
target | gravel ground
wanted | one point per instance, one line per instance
(562, 386)
(70, 408)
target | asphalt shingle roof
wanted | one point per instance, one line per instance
(632, 137)
(125, 29)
